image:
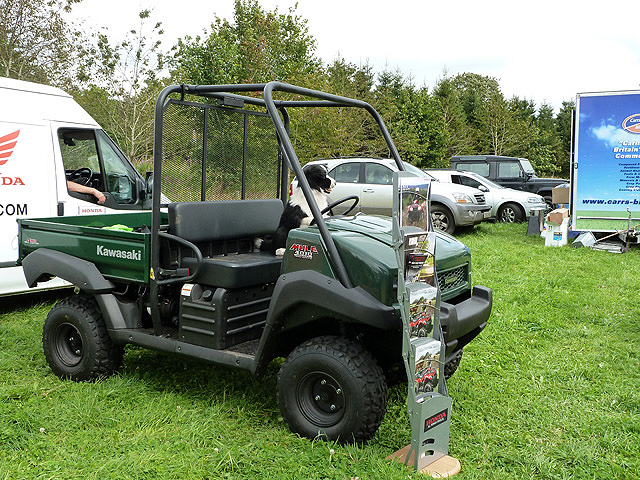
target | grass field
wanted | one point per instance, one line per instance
(550, 390)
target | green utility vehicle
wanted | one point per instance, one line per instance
(186, 277)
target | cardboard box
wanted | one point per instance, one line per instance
(560, 195)
(557, 216)
(556, 235)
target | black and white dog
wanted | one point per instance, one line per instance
(297, 212)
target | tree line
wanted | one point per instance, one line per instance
(117, 82)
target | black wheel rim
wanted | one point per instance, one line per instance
(321, 399)
(68, 344)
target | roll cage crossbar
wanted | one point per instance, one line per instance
(233, 96)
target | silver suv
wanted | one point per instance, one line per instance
(371, 179)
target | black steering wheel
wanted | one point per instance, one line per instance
(329, 208)
(81, 175)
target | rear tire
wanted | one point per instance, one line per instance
(76, 343)
(442, 219)
(332, 387)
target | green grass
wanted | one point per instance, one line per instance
(550, 390)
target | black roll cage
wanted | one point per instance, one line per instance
(231, 95)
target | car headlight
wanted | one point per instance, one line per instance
(462, 197)
(535, 200)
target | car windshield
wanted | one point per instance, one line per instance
(484, 180)
(416, 171)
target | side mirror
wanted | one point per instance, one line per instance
(148, 183)
(483, 188)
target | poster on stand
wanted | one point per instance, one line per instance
(422, 305)
(426, 354)
(419, 258)
(414, 202)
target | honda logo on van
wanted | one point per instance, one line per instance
(7, 144)
(632, 123)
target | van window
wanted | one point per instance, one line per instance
(91, 158)
(346, 173)
(481, 168)
(509, 170)
(120, 176)
(79, 152)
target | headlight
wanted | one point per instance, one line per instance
(462, 198)
(535, 200)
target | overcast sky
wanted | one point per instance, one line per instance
(546, 51)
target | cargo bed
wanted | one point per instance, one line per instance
(118, 254)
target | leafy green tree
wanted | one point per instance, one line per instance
(563, 122)
(459, 132)
(414, 119)
(120, 82)
(342, 131)
(257, 47)
(37, 43)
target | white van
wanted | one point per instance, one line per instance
(46, 141)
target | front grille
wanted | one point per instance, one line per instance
(452, 279)
(479, 197)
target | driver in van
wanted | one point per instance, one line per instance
(76, 187)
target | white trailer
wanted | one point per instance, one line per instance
(606, 161)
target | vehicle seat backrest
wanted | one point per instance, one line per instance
(224, 220)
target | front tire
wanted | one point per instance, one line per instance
(332, 387)
(442, 219)
(452, 365)
(76, 343)
(510, 213)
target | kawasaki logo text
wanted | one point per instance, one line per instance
(125, 254)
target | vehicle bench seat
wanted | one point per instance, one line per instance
(225, 223)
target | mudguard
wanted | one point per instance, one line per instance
(43, 263)
(330, 297)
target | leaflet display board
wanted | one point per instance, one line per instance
(606, 161)
(419, 297)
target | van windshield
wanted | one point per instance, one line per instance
(526, 166)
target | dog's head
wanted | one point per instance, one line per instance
(318, 178)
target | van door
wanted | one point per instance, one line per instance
(88, 157)
(26, 189)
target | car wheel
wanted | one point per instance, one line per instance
(442, 219)
(510, 213)
(76, 343)
(332, 388)
(452, 365)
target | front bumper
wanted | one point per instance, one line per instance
(535, 209)
(462, 322)
(472, 214)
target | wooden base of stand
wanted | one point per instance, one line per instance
(444, 467)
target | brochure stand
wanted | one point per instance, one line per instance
(423, 348)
